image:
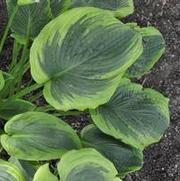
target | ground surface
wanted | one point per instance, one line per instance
(162, 160)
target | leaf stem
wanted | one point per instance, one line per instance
(8, 27)
(16, 49)
(35, 97)
(68, 113)
(48, 108)
(24, 58)
(27, 90)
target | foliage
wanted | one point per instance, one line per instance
(81, 57)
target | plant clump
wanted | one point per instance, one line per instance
(82, 59)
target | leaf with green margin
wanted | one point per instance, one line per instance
(27, 169)
(125, 158)
(81, 62)
(38, 136)
(26, 2)
(33, 15)
(120, 8)
(59, 6)
(12, 107)
(29, 18)
(9, 172)
(154, 47)
(134, 115)
(44, 174)
(86, 164)
(2, 81)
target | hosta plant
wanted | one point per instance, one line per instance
(82, 59)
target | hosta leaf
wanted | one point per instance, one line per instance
(86, 165)
(125, 158)
(29, 19)
(9, 172)
(27, 169)
(134, 115)
(121, 8)
(2, 81)
(154, 47)
(10, 108)
(25, 2)
(59, 6)
(44, 174)
(81, 61)
(38, 136)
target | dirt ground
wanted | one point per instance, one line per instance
(162, 160)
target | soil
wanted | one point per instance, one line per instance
(162, 160)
